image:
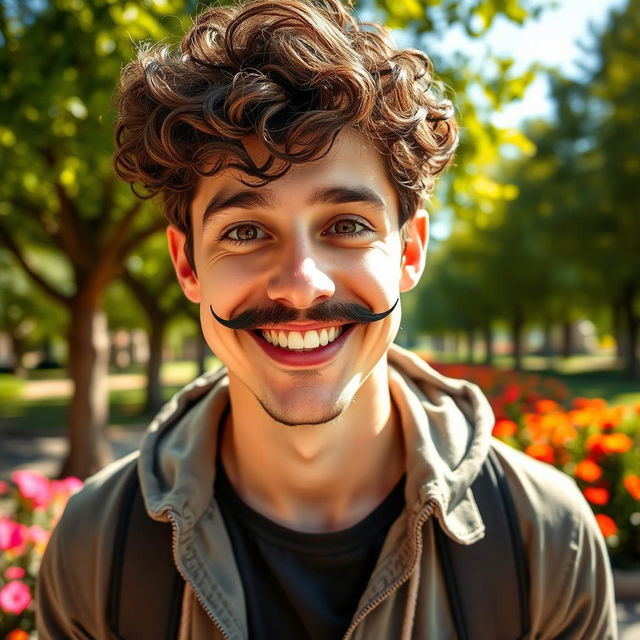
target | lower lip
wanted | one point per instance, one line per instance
(303, 359)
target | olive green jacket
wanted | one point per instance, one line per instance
(447, 432)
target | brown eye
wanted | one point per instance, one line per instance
(245, 233)
(346, 226)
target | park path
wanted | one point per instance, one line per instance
(62, 388)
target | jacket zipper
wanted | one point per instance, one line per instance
(424, 515)
(199, 597)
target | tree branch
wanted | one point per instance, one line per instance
(76, 245)
(121, 231)
(51, 291)
(34, 212)
(140, 237)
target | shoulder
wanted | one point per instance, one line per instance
(570, 578)
(92, 512)
(551, 494)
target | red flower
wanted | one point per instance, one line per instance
(607, 525)
(632, 485)
(543, 452)
(511, 393)
(588, 471)
(596, 495)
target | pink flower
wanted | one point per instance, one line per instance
(15, 597)
(38, 534)
(12, 534)
(4, 487)
(33, 486)
(67, 486)
(15, 573)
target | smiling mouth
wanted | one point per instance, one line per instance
(302, 340)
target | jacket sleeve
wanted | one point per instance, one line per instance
(584, 603)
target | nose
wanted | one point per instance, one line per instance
(298, 280)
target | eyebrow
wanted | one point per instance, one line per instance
(250, 198)
(245, 199)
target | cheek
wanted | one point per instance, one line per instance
(380, 272)
(228, 283)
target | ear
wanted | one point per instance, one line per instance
(416, 238)
(187, 277)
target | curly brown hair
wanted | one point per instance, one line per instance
(295, 74)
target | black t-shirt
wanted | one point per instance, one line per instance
(300, 585)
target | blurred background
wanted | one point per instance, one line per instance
(532, 287)
(534, 259)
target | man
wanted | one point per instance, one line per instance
(307, 482)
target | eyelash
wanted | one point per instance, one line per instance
(225, 236)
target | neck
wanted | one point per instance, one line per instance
(323, 477)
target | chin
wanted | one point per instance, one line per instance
(303, 410)
(299, 416)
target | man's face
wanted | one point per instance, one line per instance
(327, 231)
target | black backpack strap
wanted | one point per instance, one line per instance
(488, 582)
(145, 588)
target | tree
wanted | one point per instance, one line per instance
(59, 63)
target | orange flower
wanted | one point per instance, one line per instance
(596, 495)
(17, 634)
(605, 444)
(504, 428)
(589, 403)
(546, 406)
(543, 452)
(617, 442)
(588, 471)
(607, 525)
(632, 485)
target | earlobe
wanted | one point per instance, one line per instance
(415, 250)
(187, 277)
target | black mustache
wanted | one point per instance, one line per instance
(252, 319)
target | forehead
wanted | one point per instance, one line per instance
(352, 163)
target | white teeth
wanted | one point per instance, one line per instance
(311, 340)
(297, 340)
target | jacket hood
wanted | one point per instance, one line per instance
(446, 425)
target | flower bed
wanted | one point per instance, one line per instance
(598, 445)
(30, 506)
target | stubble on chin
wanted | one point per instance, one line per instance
(286, 417)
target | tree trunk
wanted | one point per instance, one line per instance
(471, 344)
(547, 349)
(618, 321)
(18, 347)
(488, 344)
(632, 321)
(89, 450)
(154, 385)
(517, 324)
(567, 338)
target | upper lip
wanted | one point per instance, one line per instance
(309, 326)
